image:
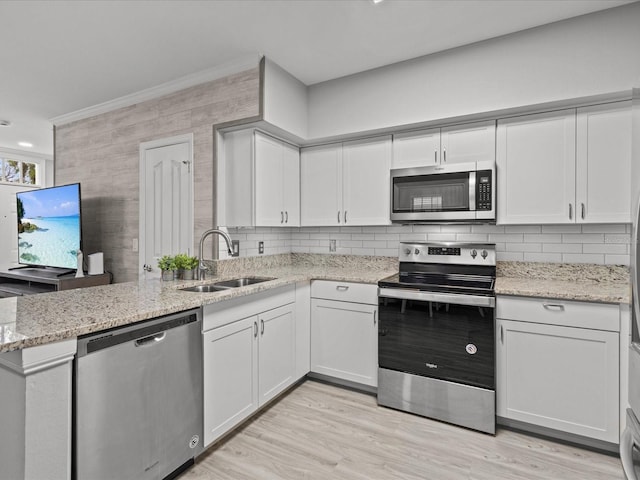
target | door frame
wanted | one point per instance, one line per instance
(144, 147)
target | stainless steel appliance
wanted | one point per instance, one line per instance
(459, 192)
(138, 400)
(436, 344)
(630, 440)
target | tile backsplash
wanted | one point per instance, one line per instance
(604, 244)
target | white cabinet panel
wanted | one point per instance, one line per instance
(269, 181)
(557, 377)
(366, 167)
(536, 168)
(344, 340)
(230, 376)
(604, 163)
(321, 185)
(277, 356)
(291, 185)
(468, 143)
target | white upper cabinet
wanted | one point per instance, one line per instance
(262, 181)
(569, 166)
(604, 163)
(443, 146)
(346, 184)
(536, 168)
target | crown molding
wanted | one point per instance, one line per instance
(229, 68)
(25, 154)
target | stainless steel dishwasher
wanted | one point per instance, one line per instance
(138, 400)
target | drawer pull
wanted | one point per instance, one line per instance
(553, 306)
(342, 288)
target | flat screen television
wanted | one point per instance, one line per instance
(49, 226)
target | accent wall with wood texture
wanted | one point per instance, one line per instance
(102, 153)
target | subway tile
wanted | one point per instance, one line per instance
(524, 247)
(399, 229)
(612, 248)
(617, 238)
(426, 228)
(456, 229)
(350, 229)
(617, 260)
(506, 237)
(562, 247)
(510, 256)
(299, 249)
(363, 251)
(386, 252)
(300, 236)
(374, 229)
(342, 251)
(387, 236)
(604, 228)
(487, 229)
(582, 238)
(583, 258)
(340, 236)
(522, 229)
(543, 238)
(441, 237)
(472, 237)
(374, 244)
(362, 236)
(350, 243)
(543, 257)
(413, 237)
(561, 229)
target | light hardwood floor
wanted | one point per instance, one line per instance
(319, 431)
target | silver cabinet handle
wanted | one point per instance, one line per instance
(435, 156)
(255, 329)
(261, 327)
(583, 213)
(502, 334)
(338, 216)
(281, 217)
(375, 317)
(286, 217)
(570, 211)
(342, 288)
(345, 216)
(444, 155)
(553, 306)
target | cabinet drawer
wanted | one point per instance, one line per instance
(597, 316)
(345, 291)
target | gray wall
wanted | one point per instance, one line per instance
(102, 153)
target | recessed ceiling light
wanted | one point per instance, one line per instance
(5, 123)
(375, 2)
(25, 144)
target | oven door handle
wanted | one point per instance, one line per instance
(407, 294)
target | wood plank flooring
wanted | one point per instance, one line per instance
(319, 431)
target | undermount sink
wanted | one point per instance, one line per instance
(226, 284)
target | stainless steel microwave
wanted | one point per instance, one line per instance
(463, 192)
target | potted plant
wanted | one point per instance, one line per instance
(185, 265)
(167, 265)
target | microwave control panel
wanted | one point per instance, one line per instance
(483, 190)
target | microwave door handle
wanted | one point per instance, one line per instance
(472, 191)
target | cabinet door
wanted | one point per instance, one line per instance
(268, 181)
(603, 182)
(562, 378)
(344, 340)
(291, 185)
(475, 142)
(536, 168)
(321, 185)
(276, 351)
(420, 148)
(230, 376)
(365, 184)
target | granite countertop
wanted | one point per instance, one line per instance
(44, 318)
(49, 317)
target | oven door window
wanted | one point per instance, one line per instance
(431, 193)
(445, 341)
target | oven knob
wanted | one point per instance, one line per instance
(417, 252)
(407, 251)
(484, 254)
(474, 254)
(471, 349)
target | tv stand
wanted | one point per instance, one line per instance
(59, 272)
(31, 280)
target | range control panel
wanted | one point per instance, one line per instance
(483, 190)
(457, 253)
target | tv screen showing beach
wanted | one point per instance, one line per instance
(49, 226)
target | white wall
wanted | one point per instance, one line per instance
(285, 100)
(589, 55)
(599, 244)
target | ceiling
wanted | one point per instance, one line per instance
(61, 56)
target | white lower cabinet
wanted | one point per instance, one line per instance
(344, 334)
(554, 374)
(249, 357)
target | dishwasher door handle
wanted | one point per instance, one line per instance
(150, 340)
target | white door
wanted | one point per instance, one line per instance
(230, 376)
(276, 351)
(475, 142)
(291, 185)
(344, 340)
(9, 224)
(269, 188)
(536, 156)
(166, 220)
(603, 184)
(321, 185)
(420, 148)
(366, 181)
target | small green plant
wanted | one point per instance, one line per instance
(185, 262)
(167, 262)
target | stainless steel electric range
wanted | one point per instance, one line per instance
(436, 345)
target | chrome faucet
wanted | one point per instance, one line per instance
(202, 268)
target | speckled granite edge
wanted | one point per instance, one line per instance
(564, 271)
